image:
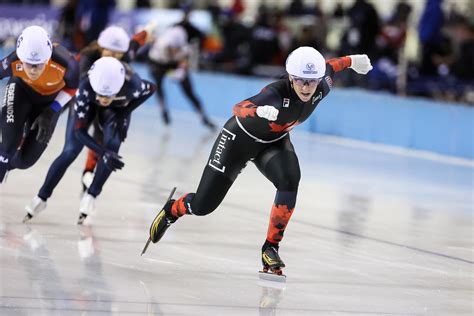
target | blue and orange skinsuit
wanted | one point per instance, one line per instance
(247, 137)
(26, 99)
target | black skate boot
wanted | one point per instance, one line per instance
(166, 117)
(162, 221)
(272, 263)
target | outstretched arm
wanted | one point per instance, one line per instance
(359, 63)
(139, 40)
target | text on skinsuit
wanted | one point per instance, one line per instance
(216, 161)
(8, 102)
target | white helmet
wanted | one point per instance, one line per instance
(34, 46)
(175, 36)
(114, 38)
(306, 62)
(107, 76)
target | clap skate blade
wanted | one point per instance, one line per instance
(275, 275)
(149, 238)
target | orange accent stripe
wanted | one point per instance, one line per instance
(339, 63)
(91, 161)
(179, 209)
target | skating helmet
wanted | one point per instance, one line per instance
(34, 46)
(114, 38)
(107, 76)
(306, 62)
(176, 36)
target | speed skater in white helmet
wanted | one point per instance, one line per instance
(44, 76)
(259, 131)
(108, 95)
(113, 41)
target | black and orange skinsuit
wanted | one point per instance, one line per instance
(24, 100)
(248, 137)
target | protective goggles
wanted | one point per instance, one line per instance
(313, 82)
(106, 96)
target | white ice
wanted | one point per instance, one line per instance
(376, 231)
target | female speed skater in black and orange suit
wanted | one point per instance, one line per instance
(259, 132)
(44, 76)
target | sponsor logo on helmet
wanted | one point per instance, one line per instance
(286, 102)
(34, 57)
(106, 90)
(310, 69)
(116, 43)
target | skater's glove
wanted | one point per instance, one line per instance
(267, 112)
(150, 29)
(121, 126)
(44, 124)
(360, 64)
(112, 160)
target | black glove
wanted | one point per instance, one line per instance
(112, 160)
(121, 126)
(44, 123)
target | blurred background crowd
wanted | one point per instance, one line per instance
(418, 47)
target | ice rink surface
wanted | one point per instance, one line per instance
(376, 231)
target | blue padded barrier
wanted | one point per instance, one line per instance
(440, 127)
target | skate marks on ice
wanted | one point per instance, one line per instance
(354, 245)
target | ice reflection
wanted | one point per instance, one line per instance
(272, 294)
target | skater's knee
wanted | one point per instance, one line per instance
(69, 154)
(199, 207)
(287, 182)
(21, 162)
(202, 211)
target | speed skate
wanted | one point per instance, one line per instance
(272, 265)
(159, 225)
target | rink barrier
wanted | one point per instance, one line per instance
(422, 124)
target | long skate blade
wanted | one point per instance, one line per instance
(171, 194)
(149, 239)
(146, 246)
(268, 276)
